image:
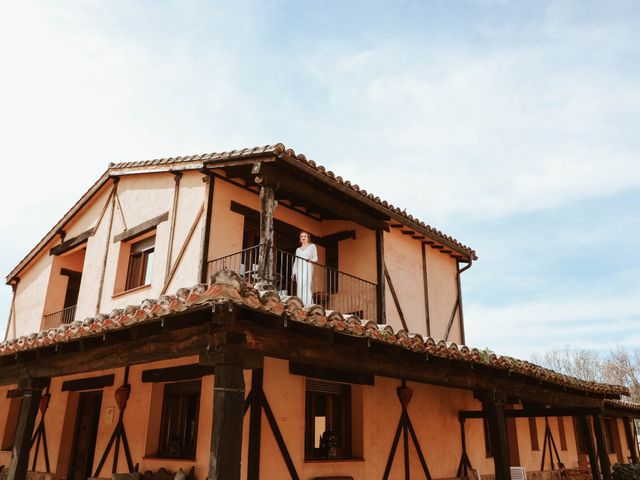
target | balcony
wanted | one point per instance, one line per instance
(62, 317)
(314, 282)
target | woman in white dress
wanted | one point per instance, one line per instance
(302, 271)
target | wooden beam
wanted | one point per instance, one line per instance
(533, 412)
(603, 455)
(206, 228)
(289, 229)
(499, 441)
(425, 282)
(381, 308)
(176, 374)
(105, 257)
(255, 426)
(632, 441)
(585, 432)
(91, 383)
(395, 299)
(332, 201)
(183, 249)
(144, 227)
(228, 414)
(31, 394)
(177, 176)
(330, 374)
(72, 243)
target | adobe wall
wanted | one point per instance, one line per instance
(403, 258)
(433, 411)
(141, 198)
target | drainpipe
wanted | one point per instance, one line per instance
(461, 270)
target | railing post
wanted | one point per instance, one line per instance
(267, 207)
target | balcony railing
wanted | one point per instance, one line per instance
(54, 320)
(313, 282)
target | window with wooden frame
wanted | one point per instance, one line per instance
(12, 422)
(328, 420)
(488, 446)
(533, 433)
(140, 263)
(179, 423)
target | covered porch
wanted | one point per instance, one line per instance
(253, 351)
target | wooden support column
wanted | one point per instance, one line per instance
(498, 432)
(255, 427)
(632, 441)
(228, 413)
(605, 465)
(31, 395)
(206, 228)
(585, 433)
(267, 208)
(380, 287)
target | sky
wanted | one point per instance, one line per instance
(511, 125)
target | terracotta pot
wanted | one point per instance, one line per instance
(122, 395)
(44, 403)
(405, 394)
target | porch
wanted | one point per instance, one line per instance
(231, 336)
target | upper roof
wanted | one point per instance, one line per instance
(197, 162)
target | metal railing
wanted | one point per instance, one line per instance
(313, 282)
(61, 317)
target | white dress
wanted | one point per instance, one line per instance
(303, 272)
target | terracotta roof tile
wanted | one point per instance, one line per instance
(623, 405)
(227, 287)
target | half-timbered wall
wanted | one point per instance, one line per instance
(433, 411)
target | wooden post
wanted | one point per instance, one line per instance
(585, 432)
(632, 442)
(425, 281)
(380, 288)
(605, 465)
(31, 394)
(206, 228)
(105, 258)
(174, 210)
(228, 413)
(267, 207)
(255, 426)
(499, 442)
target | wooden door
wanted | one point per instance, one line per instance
(84, 438)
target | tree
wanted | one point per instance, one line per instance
(619, 366)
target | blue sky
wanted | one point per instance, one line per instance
(510, 125)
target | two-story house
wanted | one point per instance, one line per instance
(166, 322)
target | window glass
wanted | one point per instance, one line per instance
(327, 420)
(179, 424)
(140, 263)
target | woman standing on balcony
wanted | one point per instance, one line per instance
(302, 271)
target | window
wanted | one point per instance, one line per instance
(12, 423)
(179, 424)
(563, 435)
(488, 446)
(140, 263)
(533, 433)
(327, 420)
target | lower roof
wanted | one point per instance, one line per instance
(228, 288)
